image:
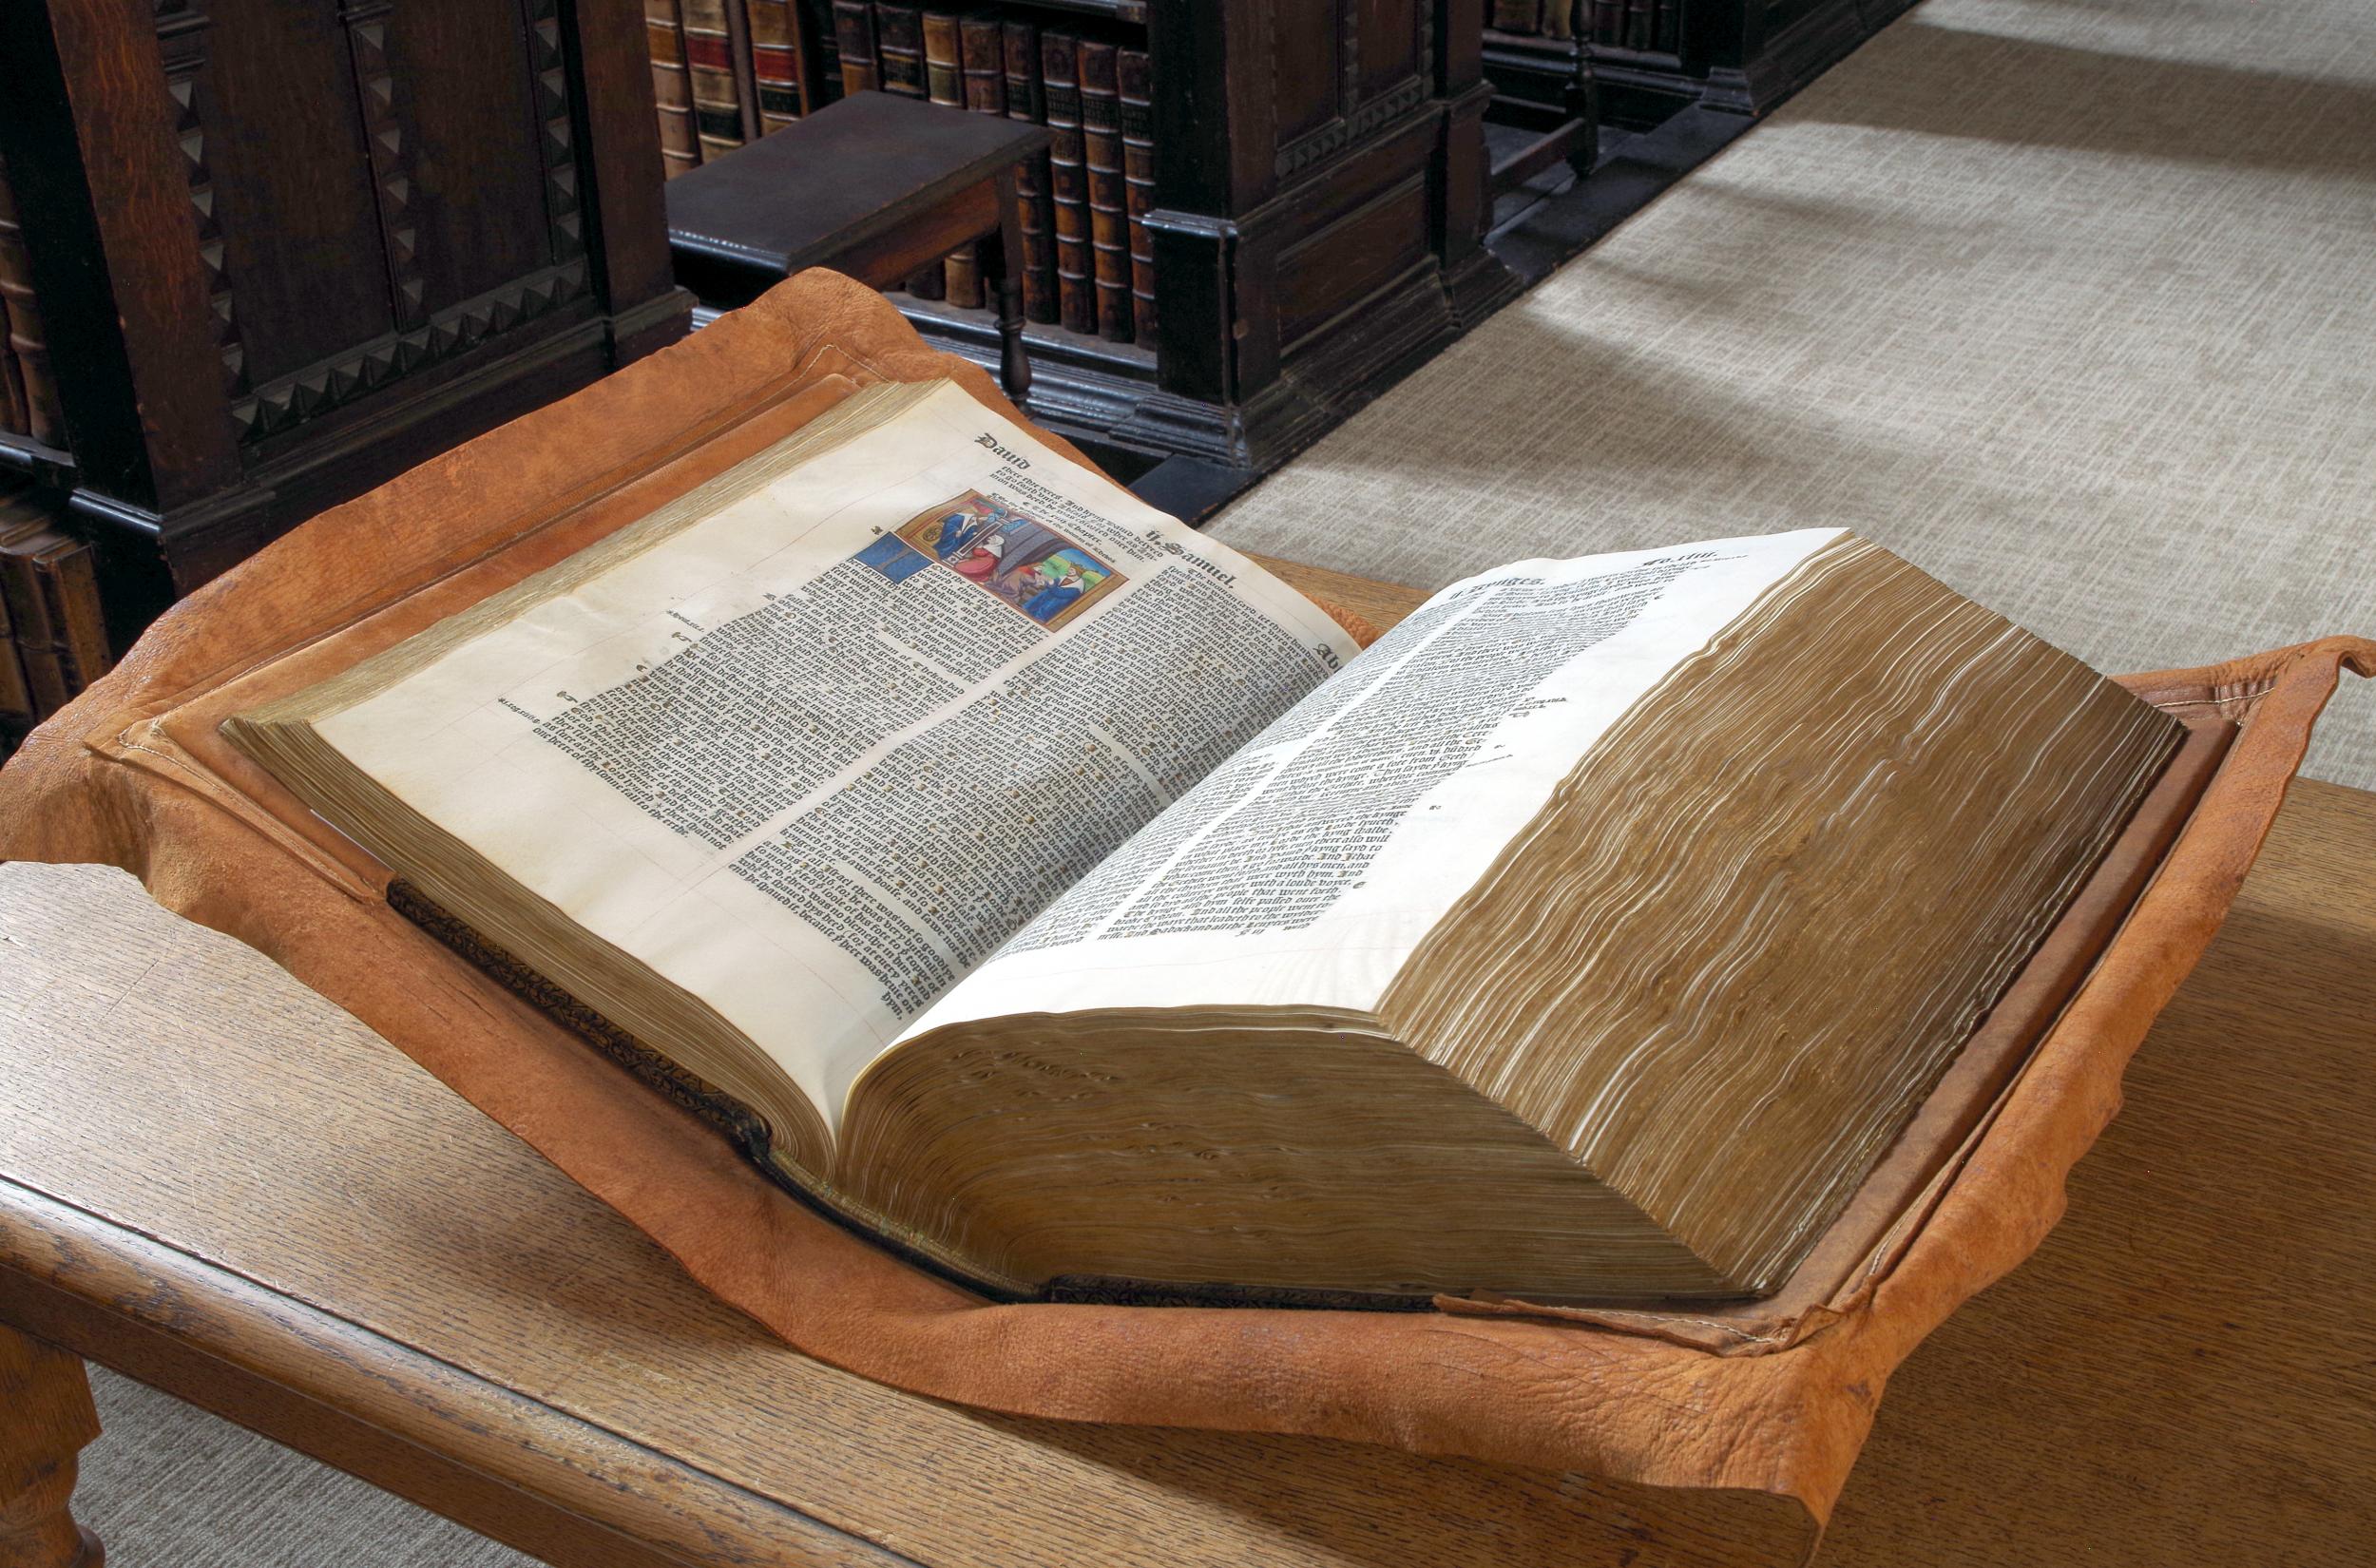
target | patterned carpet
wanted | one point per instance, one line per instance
(2071, 303)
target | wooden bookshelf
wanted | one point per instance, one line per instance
(283, 253)
(1315, 218)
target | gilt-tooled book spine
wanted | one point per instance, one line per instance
(1109, 201)
(43, 418)
(899, 54)
(1076, 294)
(945, 83)
(1026, 101)
(775, 63)
(1136, 72)
(672, 87)
(853, 45)
(899, 49)
(710, 60)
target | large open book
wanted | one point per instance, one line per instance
(1060, 895)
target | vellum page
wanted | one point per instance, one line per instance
(815, 755)
(1306, 871)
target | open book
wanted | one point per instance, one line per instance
(1057, 893)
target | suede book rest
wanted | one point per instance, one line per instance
(1774, 1397)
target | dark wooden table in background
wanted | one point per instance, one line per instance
(215, 1183)
(876, 186)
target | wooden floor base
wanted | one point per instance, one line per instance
(45, 1418)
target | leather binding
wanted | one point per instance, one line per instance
(899, 53)
(1036, 219)
(1521, 16)
(1135, 74)
(709, 57)
(672, 90)
(45, 421)
(776, 64)
(1068, 181)
(135, 774)
(1102, 159)
(899, 49)
(853, 45)
(945, 83)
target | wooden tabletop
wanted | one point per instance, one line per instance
(220, 1184)
(808, 193)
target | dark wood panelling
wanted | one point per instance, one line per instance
(294, 188)
(287, 248)
(462, 75)
(1338, 266)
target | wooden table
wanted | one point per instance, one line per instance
(877, 186)
(217, 1184)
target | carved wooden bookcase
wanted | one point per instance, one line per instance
(283, 249)
(1319, 210)
(1650, 58)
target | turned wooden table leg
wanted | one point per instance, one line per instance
(1002, 278)
(46, 1417)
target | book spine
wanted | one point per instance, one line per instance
(853, 45)
(28, 619)
(1026, 101)
(776, 64)
(69, 589)
(709, 57)
(1517, 15)
(672, 89)
(1134, 72)
(983, 86)
(1068, 181)
(1668, 38)
(44, 419)
(13, 414)
(16, 694)
(1639, 24)
(944, 66)
(1109, 201)
(1559, 18)
(899, 49)
(1608, 22)
(16, 697)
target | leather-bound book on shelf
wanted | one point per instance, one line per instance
(15, 415)
(945, 83)
(28, 345)
(777, 63)
(1134, 72)
(899, 55)
(899, 49)
(1109, 200)
(717, 88)
(1026, 101)
(1559, 18)
(854, 46)
(672, 87)
(1068, 181)
(1519, 17)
